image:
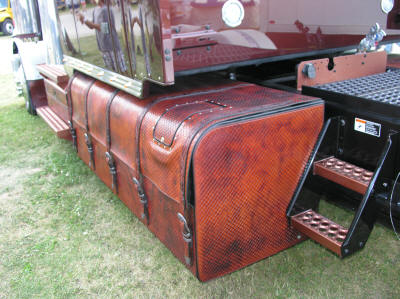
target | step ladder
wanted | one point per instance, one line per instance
(54, 122)
(324, 163)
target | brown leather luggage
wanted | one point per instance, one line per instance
(209, 171)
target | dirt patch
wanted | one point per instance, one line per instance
(11, 192)
(12, 177)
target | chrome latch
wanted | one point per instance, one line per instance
(372, 39)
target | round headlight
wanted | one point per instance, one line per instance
(232, 13)
(387, 5)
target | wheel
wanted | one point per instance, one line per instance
(21, 83)
(8, 27)
(30, 107)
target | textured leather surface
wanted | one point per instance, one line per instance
(165, 165)
(165, 130)
(245, 174)
(173, 118)
(124, 113)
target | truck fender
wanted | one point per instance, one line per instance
(26, 56)
(30, 54)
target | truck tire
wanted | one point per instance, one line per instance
(30, 107)
(7, 27)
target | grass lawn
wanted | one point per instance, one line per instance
(63, 234)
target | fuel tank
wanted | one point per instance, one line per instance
(209, 171)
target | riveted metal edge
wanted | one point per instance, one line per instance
(129, 85)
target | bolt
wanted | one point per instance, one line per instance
(187, 260)
(385, 185)
(208, 27)
(340, 151)
(208, 48)
(143, 215)
(309, 70)
(177, 29)
(298, 237)
(179, 52)
(167, 51)
(342, 122)
(361, 244)
(346, 251)
(168, 58)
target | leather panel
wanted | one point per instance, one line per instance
(198, 117)
(166, 165)
(245, 174)
(172, 118)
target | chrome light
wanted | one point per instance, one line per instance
(387, 5)
(232, 13)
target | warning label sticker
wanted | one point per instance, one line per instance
(367, 127)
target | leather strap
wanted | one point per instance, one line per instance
(109, 157)
(70, 111)
(187, 237)
(138, 180)
(88, 136)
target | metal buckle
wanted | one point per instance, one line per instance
(186, 233)
(110, 160)
(142, 199)
(73, 134)
(88, 141)
(113, 170)
(140, 191)
(89, 145)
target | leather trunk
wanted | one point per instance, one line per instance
(209, 171)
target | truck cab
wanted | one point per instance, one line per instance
(6, 17)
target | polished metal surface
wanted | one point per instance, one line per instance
(131, 86)
(26, 17)
(122, 37)
(156, 40)
(51, 35)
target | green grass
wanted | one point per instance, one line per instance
(63, 234)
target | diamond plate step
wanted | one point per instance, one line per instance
(54, 121)
(348, 175)
(320, 229)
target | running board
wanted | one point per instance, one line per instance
(55, 122)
